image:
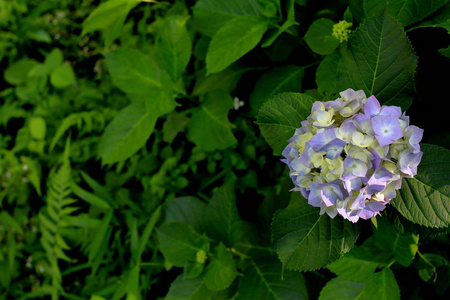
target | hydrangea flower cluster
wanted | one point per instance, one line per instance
(350, 155)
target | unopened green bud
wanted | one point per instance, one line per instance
(341, 30)
(201, 256)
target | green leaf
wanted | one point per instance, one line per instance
(174, 47)
(37, 127)
(109, 16)
(290, 20)
(147, 232)
(406, 12)
(319, 37)
(221, 270)
(425, 199)
(209, 127)
(378, 59)
(263, 280)
(222, 220)
(382, 286)
(133, 71)
(131, 128)
(403, 245)
(342, 289)
(189, 210)
(280, 116)
(440, 18)
(211, 15)
(100, 235)
(17, 72)
(233, 40)
(62, 76)
(175, 123)
(283, 79)
(89, 197)
(180, 243)
(326, 73)
(54, 59)
(225, 80)
(305, 240)
(188, 289)
(356, 264)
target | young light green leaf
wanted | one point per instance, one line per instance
(233, 40)
(221, 270)
(37, 127)
(425, 199)
(305, 240)
(89, 197)
(174, 46)
(222, 220)
(319, 37)
(109, 16)
(188, 289)
(283, 79)
(264, 279)
(211, 15)
(179, 243)
(378, 59)
(280, 116)
(17, 72)
(209, 127)
(62, 76)
(133, 71)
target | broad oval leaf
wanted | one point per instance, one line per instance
(211, 15)
(280, 116)
(127, 133)
(425, 199)
(209, 127)
(379, 59)
(221, 270)
(133, 71)
(233, 40)
(180, 243)
(264, 280)
(188, 289)
(319, 37)
(305, 240)
(283, 79)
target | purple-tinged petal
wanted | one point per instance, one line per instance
(372, 107)
(330, 193)
(371, 209)
(322, 138)
(353, 168)
(413, 135)
(387, 129)
(408, 162)
(391, 111)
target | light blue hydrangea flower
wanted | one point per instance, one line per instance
(349, 156)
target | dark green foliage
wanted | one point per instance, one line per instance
(140, 143)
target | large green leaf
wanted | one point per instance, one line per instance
(180, 243)
(133, 71)
(174, 47)
(280, 116)
(222, 220)
(283, 79)
(188, 289)
(130, 129)
(378, 286)
(233, 40)
(319, 37)
(221, 270)
(209, 127)
(405, 12)
(210, 15)
(425, 199)
(189, 210)
(109, 16)
(378, 59)
(402, 244)
(305, 240)
(264, 280)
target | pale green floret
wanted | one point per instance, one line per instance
(341, 30)
(201, 256)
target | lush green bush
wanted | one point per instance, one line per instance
(134, 163)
